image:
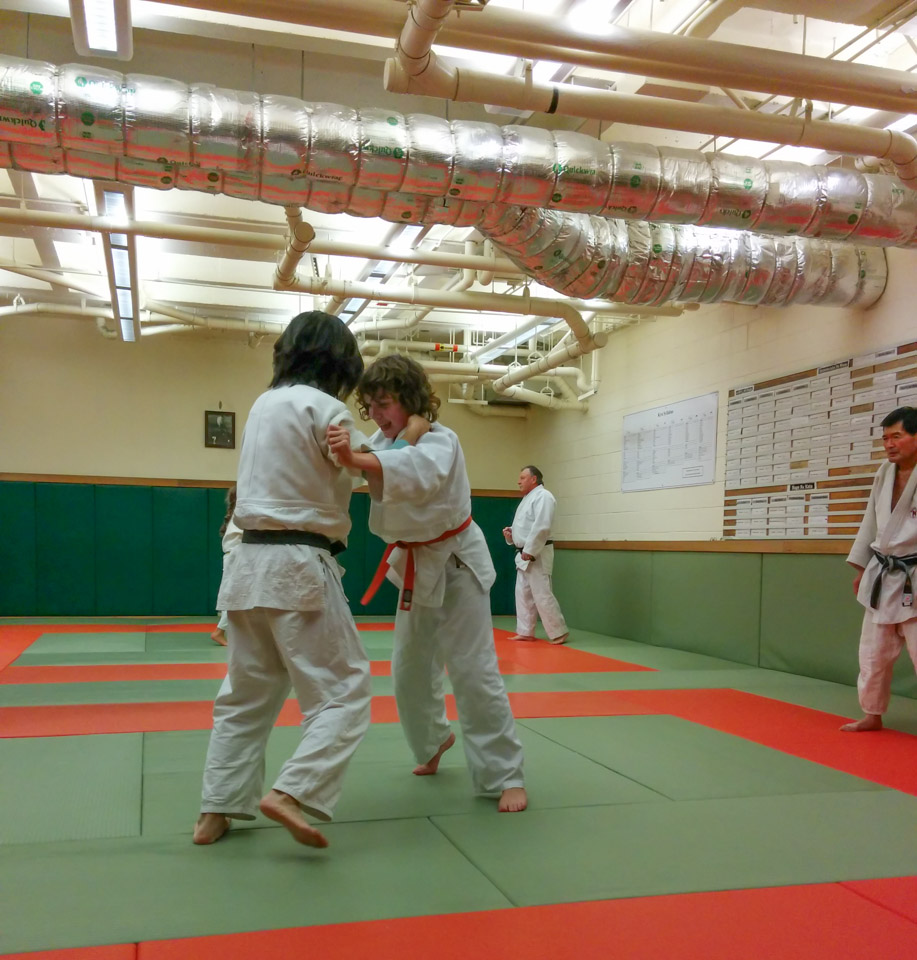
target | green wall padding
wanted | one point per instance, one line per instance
(810, 621)
(605, 591)
(124, 550)
(181, 551)
(65, 549)
(18, 584)
(707, 603)
(216, 510)
(492, 514)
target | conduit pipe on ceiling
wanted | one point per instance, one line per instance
(488, 302)
(301, 235)
(552, 360)
(259, 241)
(483, 409)
(541, 399)
(215, 323)
(520, 33)
(474, 86)
(56, 309)
(462, 281)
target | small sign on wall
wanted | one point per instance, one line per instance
(220, 429)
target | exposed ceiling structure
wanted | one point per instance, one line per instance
(494, 186)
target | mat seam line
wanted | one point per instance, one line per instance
(471, 862)
(877, 903)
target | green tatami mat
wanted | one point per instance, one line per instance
(379, 784)
(688, 761)
(126, 691)
(87, 642)
(160, 642)
(646, 655)
(212, 653)
(638, 680)
(125, 891)
(594, 853)
(69, 788)
(139, 622)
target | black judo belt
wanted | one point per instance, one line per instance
(520, 549)
(334, 547)
(887, 565)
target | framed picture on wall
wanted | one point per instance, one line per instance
(220, 429)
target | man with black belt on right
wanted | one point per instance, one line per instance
(530, 535)
(885, 557)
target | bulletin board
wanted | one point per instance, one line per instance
(670, 446)
(802, 449)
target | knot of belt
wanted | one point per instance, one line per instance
(886, 565)
(408, 546)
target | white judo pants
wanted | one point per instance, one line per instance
(535, 598)
(458, 637)
(880, 646)
(320, 655)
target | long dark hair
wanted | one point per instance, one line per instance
(405, 380)
(230, 508)
(317, 349)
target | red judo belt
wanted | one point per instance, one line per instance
(408, 591)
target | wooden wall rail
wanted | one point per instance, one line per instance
(712, 546)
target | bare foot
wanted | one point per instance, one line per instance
(210, 827)
(560, 639)
(513, 800)
(283, 809)
(519, 636)
(872, 721)
(432, 765)
(218, 636)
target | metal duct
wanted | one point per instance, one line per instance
(159, 133)
(653, 263)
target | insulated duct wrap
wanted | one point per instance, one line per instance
(160, 133)
(654, 263)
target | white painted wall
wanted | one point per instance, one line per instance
(716, 348)
(74, 403)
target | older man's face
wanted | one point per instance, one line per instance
(527, 482)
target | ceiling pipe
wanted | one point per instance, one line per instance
(552, 360)
(541, 399)
(484, 409)
(520, 33)
(493, 302)
(301, 235)
(462, 281)
(253, 240)
(421, 72)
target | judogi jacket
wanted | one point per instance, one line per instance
(425, 493)
(532, 528)
(288, 481)
(892, 533)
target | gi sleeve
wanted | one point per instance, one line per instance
(861, 551)
(542, 521)
(358, 441)
(418, 472)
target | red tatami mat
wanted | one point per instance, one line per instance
(515, 656)
(101, 673)
(812, 922)
(14, 641)
(120, 951)
(888, 757)
(898, 894)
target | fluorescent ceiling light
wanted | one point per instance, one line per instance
(102, 28)
(121, 262)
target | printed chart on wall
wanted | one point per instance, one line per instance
(670, 446)
(802, 450)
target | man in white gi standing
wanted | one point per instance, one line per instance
(530, 534)
(885, 556)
